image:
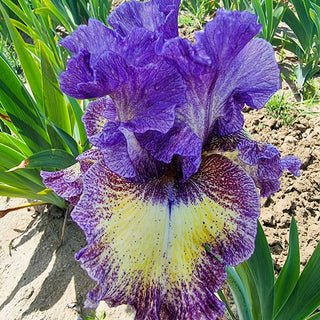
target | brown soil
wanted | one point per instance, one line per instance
(298, 196)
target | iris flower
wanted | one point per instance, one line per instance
(169, 193)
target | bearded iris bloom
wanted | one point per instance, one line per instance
(169, 193)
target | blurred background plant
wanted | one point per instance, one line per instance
(304, 20)
(199, 10)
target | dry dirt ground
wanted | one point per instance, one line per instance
(38, 282)
(298, 196)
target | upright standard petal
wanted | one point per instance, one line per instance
(155, 245)
(156, 15)
(144, 102)
(91, 71)
(223, 70)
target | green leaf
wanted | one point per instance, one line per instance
(260, 13)
(60, 15)
(315, 316)
(52, 159)
(17, 11)
(8, 191)
(261, 268)
(19, 25)
(295, 25)
(269, 14)
(290, 272)
(55, 107)
(225, 301)
(305, 297)
(315, 16)
(78, 113)
(28, 64)
(21, 109)
(302, 8)
(251, 289)
(19, 181)
(15, 144)
(9, 157)
(302, 26)
(69, 142)
(239, 294)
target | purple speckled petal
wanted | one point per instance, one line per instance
(67, 183)
(155, 15)
(97, 114)
(261, 161)
(148, 243)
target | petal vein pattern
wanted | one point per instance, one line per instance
(146, 241)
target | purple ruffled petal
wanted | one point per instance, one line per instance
(144, 101)
(124, 155)
(224, 70)
(180, 141)
(252, 78)
(226, 35)
(155, 15)
(146, 98)
(78, 80)
(94, 38)
(266, 163)
(147, 243)
(103, 58)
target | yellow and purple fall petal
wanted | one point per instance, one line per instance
(147, 242)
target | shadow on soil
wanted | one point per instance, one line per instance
(65, 266)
